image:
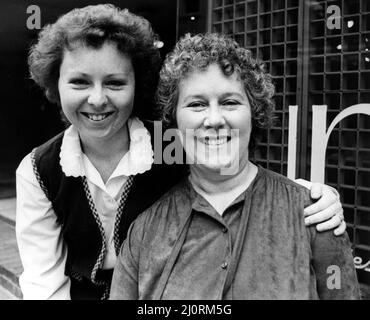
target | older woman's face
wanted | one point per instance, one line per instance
(96, 88)
(214, 118)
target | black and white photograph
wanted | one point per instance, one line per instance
(198, 151)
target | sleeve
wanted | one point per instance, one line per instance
(41, 246)
(333, 265)
(126, 272)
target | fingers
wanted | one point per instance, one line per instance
(328, 209)
(326, 214)
(341, 229)
(304, 183)
(330, 224)
(316, 190)
(328, 198)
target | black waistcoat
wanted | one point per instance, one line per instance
(79, 227)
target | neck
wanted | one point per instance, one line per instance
(107, 149)
(214, 183)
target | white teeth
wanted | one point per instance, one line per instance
(97, 117)
(215, 142)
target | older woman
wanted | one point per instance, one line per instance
(231, 229)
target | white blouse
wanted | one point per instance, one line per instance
(42, 249)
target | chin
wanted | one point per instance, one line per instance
(216, 165)
(99, 134)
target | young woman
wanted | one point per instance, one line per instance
(79, 192)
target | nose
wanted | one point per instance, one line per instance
(214, 118)
(97, 97)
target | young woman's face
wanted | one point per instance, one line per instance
(214, 117)
(96, 88)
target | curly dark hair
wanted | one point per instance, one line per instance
(93, 26)
(197, 53)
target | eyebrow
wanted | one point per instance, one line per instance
(223, 96)
(107, 76)
(232, 93)
(193, 97)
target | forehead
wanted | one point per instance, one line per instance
(86, 59)
(210, 80)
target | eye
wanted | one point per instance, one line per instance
(230, 102)
(197, 105)
(78, 82)
(115, 84)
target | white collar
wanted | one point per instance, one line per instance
(138, 159)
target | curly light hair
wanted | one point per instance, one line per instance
(92, 26)
(197, 53)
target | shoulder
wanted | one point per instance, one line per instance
(25, 168)
(40, 150)
(179, 194)
(272, 176)
(170, 209)
(43, 163)
(51, 146)
(279, 192)
(282, 184)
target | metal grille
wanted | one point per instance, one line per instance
(269, 28)
(339, 77)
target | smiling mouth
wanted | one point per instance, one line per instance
(97, 116)
(215, 141)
